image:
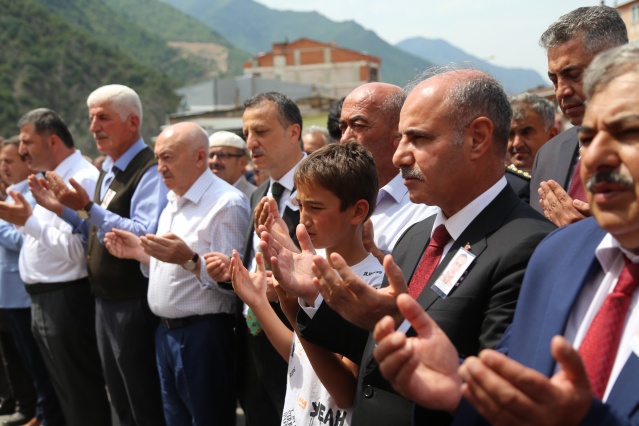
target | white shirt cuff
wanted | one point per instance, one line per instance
(311, 310)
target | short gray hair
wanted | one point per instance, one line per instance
(317, 129)
(471, 97)
(123, 98)
(600, 27)
(610, 65)
(543, 107)
(392, 106)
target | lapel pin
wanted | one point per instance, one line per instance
(467, 246)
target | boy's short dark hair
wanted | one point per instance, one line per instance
(347, 170)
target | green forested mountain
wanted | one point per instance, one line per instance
(141, 29)
(170, 24)
(45, 62)
(254, 27)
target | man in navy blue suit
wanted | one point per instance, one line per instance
(561, 364)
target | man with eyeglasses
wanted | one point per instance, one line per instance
(227, 160)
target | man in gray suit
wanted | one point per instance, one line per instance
(571, 43)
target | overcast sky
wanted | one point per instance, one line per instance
(506, 32)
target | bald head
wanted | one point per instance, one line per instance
(370, 116)
(470, 94)
(454, 128)
(182, 153)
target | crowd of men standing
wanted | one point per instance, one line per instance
(117, 283)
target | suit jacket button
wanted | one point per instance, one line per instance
(368, 391)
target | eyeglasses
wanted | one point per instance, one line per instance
(224, 155)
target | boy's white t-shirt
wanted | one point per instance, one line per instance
(307, 402)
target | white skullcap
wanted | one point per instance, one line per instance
(224, 138)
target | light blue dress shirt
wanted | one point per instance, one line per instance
(147, 202)
(12, 291)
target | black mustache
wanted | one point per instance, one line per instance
(609, 176)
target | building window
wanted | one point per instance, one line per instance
(634, 13)
(372, 75)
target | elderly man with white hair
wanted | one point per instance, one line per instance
(129, 195)
(227, 160)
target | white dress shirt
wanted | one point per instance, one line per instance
(51, 253)
(286, 202)
(394, 213)
(609, 254)
(457, 223)
(212, 216)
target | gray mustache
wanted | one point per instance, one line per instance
(411, 173)
(609, 176)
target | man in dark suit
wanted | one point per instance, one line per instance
(450, 155)
(581, 284)
(571, 43)
(272, 126)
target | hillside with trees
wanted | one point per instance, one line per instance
(45, 62)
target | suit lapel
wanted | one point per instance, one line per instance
(562, 299)
(256, 196)
(488, 220)
(548, 295)
(567, 153)
(624, 395)
(292, 219)
(420, 237)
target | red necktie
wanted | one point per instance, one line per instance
(576, 189)
(599, 347)
(429, 261)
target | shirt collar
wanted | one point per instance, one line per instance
(21, 186)
(125, 158)
(67, 164)
(609, 250)
(287, 180)
(195, 191)
(395, 188)
(457, 223)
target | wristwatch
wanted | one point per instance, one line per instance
(190, 264)
(84, 212)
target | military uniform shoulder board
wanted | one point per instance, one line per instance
(514, 170)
